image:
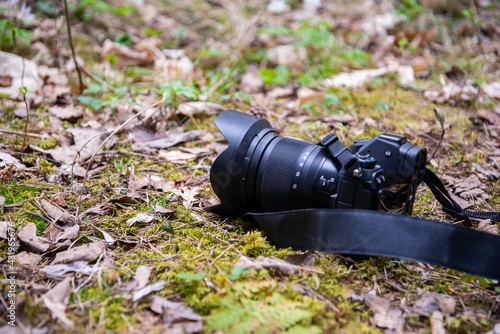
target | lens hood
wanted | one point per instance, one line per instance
(228, 175)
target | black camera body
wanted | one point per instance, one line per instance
(263, 172)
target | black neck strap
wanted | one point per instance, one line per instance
(375, 233)
(450, 206)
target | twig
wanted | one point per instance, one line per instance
(65, 5)
(119, 128)
(97, 79)
(21, 203)
(24, 90)
(22, 133)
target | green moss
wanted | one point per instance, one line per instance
(48, 143)
(45, 166)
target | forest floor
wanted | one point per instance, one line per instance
(104, 178)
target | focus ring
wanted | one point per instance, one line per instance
(279, 165)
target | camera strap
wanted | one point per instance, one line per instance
(375, 233)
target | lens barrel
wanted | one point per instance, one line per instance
(261, 171)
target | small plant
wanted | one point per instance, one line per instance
(409, 9)
(275, 76)
(11, 35)
(238, 95)
(237, 272)
(381, 105)
(188, 278)
(175, 90)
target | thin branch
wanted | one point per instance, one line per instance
(65, 5)
(24, 91)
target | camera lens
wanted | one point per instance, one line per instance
(261, 171)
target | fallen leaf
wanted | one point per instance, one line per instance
(123, 55)
(156, 286)
(28, 236)
(23, 72)
(492, 89)
(301, 259)
(81, 253)
(78, 267)
(490, 117)
(436, 320)
(251, 82)
(163, 210)
(87, 141)
(384, 315)
(142, 217)
(288, 55)
(175, 65)
(29, 259)
(107, 237)
(176, 156)
(178, 318)
(495, 330)
(56, 300)
(56, 213)
(68, 113)
(359, 77)
(279, 267)
(433, 301)
(141, 278)
(69, 234)
(488, 226)
(7, 160)
(198, 107)
(4, 226)
(174, 137)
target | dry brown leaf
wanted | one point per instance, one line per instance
(174, 137)
(28, 259)
(492, 89)
(490, 117)
(156, 286)
(163, 210)
(81, 253)
(56, 300)
(175, 65)
(77, 267)
(22, 73)
(437, 323)
(488, 226)
(199, 107)
(179, 318)
(141, 278)
(288, 55)
(125, 56)
(3, 229)
(176, 156)
(28, 236)
(359, 77)
(278, 266)
(142, 217)
(7, 160)
(69, 234)
(433, 301)
(384, 315)
(301, 259)
(251, 82)
(68, 113)
(56, 213)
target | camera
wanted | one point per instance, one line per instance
(261, 171)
